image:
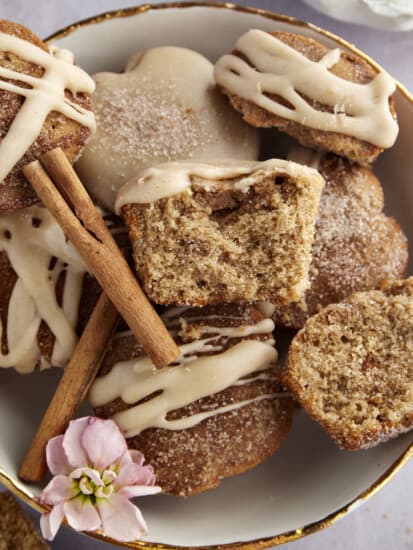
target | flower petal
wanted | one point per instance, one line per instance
(146, 476)
(121, 520)
(59, 489)
(132, 491)
(133, 474)
(56, 457)
(50, 523)
(81, 514)
(72, 442)
(132, 456)
(103, 442)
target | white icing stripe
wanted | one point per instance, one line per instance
(46, 94)
(193, 420)
(171, 178)
(263, 376)
(30, 250)
(266, 326)
(173, 315)
(66, 339)
(174, 312)
(360, 110)
(22, 326)
(179, 385)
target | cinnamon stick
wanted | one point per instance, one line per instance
(85, 228)
(73, 386)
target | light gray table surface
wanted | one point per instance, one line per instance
(386, 521)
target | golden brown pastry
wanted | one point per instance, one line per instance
(218, 412)
(45, 295)
(351, 366)
(44, 103)
(326, 99)
(356, 246)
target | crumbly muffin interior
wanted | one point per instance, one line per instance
(351, 366)
(225, 245)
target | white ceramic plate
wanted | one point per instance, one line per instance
(309, 483)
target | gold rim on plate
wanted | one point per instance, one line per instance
(17, 488)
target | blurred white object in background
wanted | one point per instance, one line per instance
(385, 14)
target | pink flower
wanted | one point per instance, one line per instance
(95, 476)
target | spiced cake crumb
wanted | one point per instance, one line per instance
(238, 231)
(351, 366)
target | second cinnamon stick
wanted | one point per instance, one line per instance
(77, 378)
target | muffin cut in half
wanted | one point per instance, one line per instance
(219, 411)
(229, 231)
(351, 366)
(356, 246)
(325, 98)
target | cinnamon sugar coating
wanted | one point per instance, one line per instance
(350, 67)
(164, 107)
(58, 130)
(351, 366)
(196, 459)
(355, 247)
(17, 532)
